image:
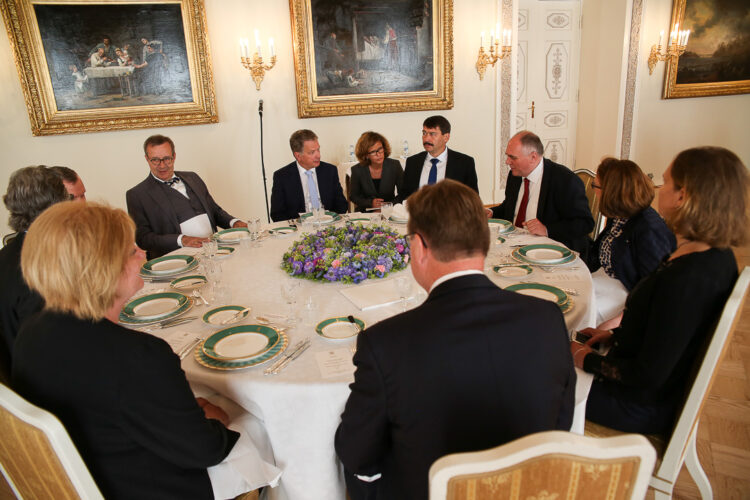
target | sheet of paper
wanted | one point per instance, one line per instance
(335, 362)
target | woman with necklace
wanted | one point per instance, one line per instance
(669, 315)
(376, 177)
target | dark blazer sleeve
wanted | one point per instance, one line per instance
(160, 412)
(362, 436)
(460, 167)
(219, 217)
(329, 186)
(151, 222)
(361, 191)
(563, 206)
(287, 197)
(412, 173)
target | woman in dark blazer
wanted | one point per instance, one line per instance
(376, 177)
(120, 393)
(635, 239)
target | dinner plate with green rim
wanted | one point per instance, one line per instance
(513, 270)
(154, 305)
(214, 317)
(282, 231)
(148, 274)
(544, 253)
(398, 220)
(364, 220)
(224, 252)
(231, 236)
(168, 264)
(541, 291)
(567, 307)
(328, 218)
(189, 282)
(339, 328)
(215, 364)
(136, 321)
(505, 225)
(241, 343)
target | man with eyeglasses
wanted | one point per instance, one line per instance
(542, 196)
(437, 162)
(473, 367)
(172, 209)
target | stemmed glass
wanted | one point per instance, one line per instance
(289, 291)
(386, 210)
(254, 225)
(210, 248)
(403, 288)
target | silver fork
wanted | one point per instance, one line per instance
(200, 296)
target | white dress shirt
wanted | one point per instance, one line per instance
(442, 162)
(305, 188)
(452, 275)
(535, 184)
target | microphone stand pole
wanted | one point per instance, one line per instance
(262, 163)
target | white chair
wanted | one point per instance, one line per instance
(37, 457)
(681, 445)
(546, 465)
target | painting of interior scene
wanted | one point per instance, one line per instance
(102, 56)
(364, 47)
(719, 46)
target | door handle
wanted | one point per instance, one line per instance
(532, 109)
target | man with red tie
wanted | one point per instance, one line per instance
(543, 196)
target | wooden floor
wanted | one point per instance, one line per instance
(724, 430)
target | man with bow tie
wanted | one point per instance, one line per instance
(172, 209)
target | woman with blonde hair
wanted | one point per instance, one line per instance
(669, 315)
(376, 177)
(120, 393)
(634, 241)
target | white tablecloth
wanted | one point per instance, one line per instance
(299, 409)
(109, 71)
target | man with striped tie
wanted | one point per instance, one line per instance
(437, 162)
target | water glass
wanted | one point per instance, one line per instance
(254, 226)
(310, 311)
(209, 248)
(386, 209)
(222, 293)
(289, 291)
(403, 286)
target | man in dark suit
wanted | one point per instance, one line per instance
(543, 196)
(172, 210)
(437, 162)
(473, 367)
(307, 182)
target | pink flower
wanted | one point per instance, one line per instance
(336, 263)
(399, 247)
(380, 268)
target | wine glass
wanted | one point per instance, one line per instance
(403, 288)
(386, 210)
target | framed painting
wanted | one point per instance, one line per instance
(717, 58)
(359, 56)
(92, 66)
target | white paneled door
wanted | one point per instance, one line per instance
(549, 39)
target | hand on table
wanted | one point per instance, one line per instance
(213, 411)
(598, 336)
(239, 223)
(535, 226)
(488, 213)
(193, 241)
(377, 202)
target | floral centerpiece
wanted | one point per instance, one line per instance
(349, 254)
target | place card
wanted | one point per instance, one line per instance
(335, 362)
(178, 340)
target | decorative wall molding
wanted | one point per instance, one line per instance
(636, 21)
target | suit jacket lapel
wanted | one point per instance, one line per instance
(154, 190)
(511, 197)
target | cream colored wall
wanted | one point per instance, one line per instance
(664, 127)
(227, 154)
(661, 127)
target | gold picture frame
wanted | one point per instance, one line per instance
(66, 94)
(365, 57)
(699, 72)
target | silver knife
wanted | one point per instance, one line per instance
(176, 322)
(293, 350)
(291, 358)
(189, 348)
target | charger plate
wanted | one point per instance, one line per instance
(506, 226)
(544, 254)
(144, 273)
(512, 270)
(339, 328)
(126, 319)
(240, 343)
(203, 360)
(541, 291)
(168, 265)
(154, 305)
(328, 218)
(281, 231)
(231, 236)
(191, 282)
(215, 316)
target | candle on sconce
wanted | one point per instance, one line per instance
(481, 39)
(687, 35)
(499, 33)
(270, 47)
(661, 37)
(257, 43)
(242, 48)
(492, 38)
(507, 37)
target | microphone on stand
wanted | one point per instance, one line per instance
(260, 107)
(262, 161)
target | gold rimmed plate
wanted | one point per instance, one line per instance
(339, 328)
(215, 364)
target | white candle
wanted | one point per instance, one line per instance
(508, 34)
(661, 37)
(687, 35)
(270, 46)
(481, 39)
(492, 38)
(499, 33)
(257, 42)
(242, 49)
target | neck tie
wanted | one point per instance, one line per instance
(432, 179)
(521, 217)
(171, 182)
(312, 188)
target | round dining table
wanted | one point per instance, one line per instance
(300, 407)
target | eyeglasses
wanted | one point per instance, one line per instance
(375, 152)
(596, 186)
(410, 236)
(167, 160)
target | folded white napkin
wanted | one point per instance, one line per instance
(400, 211)
(376, 294)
